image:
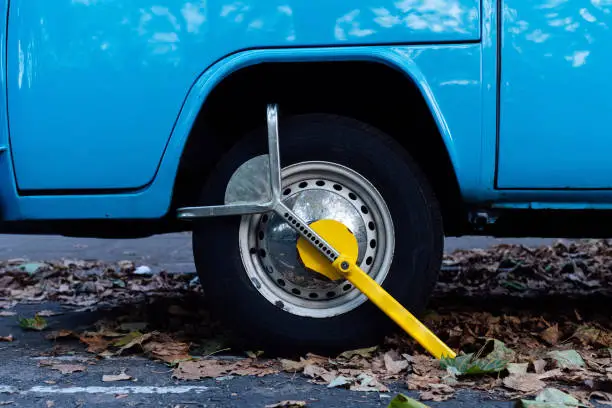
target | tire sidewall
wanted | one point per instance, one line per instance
(413, 208)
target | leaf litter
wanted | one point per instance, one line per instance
(525, 321)
(62, 367)
(116, 377)
(37, 323)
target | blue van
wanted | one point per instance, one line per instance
(406, 120)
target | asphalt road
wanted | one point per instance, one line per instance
(27, 384)
(24, 384)
(171, 251)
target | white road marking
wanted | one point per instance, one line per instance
(135, 389)
(64, 358)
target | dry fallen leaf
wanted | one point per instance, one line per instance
(211, 368)
(287, 404)
(194, 370)
(517, 368)
(425, 365)
(551, 335)
(431, 387)
(293, 366)
(367, 381)
(593, 336)
(319, 373)
(255, 371)
(364, 352)
(394, 366)
(68, 368)
(437, 393)
(168, 351)
(133, 339)
(526, 382)
(421, 382)
(48, 313)
(59, 334)
(119, 396)
(96, 344)
(116, 377)
(8, 338)
(539, 366)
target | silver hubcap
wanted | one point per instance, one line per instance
(317, 190)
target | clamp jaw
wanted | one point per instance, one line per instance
(326, 247)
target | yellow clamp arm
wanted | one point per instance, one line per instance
(392, 308)
(345, 267)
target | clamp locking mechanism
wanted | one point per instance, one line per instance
(325, 246)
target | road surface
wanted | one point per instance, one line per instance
(26, 384)
(171, 251)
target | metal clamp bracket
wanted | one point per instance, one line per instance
(255, 187)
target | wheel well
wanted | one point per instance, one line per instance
(370, 92)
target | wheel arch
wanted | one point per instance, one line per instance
(203, 139)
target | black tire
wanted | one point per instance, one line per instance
(419, 237)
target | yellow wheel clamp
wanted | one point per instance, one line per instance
(325, 246)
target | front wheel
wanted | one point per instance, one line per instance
(332, 168)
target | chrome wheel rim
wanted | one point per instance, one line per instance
(317, 190)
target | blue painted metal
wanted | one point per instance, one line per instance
(420, 63)
(8, 193)
(484, 190)
(555, 95)
(555, 205)
(116, 91)
(106, 80)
